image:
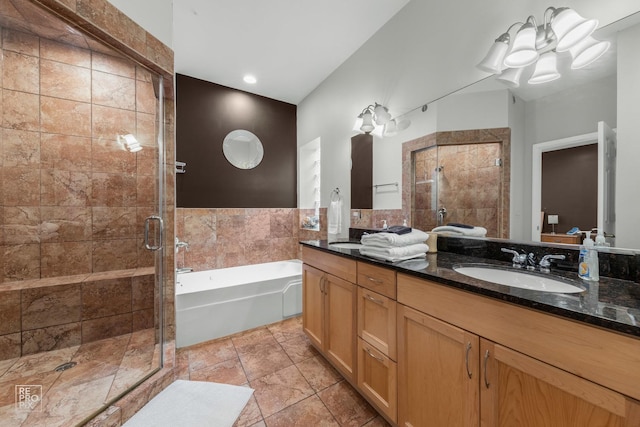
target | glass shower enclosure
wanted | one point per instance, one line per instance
(81, 197)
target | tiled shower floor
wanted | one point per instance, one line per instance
(104, 370)
(294, 385)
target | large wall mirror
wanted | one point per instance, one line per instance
(570, 107)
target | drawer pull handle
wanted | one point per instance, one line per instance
(372, 299)
(486, 359)
(374, 280)
(380, 359)
(466, 358)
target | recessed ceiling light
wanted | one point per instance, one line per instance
(250, 79)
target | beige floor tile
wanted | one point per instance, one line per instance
(281, 389)
(250, 415)
(210, 353)
(298, 348)
(346, 405)
(287, 329)
(227, 372)
(308, 412)
(318, 373)
(265, 357)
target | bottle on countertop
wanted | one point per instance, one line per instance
(384, 224)
(588, 267)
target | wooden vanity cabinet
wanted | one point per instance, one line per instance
(329, 309)
(377, 353)
(438, 372)
(450, 371)
(517, 390)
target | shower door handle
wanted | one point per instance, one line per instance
(147, 222)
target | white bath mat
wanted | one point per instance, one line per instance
(193, 404)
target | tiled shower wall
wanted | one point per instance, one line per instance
(72, 201)
(220, 238)
(468, 185)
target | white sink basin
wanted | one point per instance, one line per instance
(346, 245)
(518, 279)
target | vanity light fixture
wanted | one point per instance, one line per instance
(562, 30)
(371, 117)
(129, 143)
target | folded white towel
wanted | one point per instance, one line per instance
(386, 240)
(461, 231)
(334, 217)
(395, 253)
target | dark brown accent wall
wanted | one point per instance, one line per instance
(570, 187)
(362, 172)
(205, 113)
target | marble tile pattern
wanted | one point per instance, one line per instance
(293, 384)
(104, 370)
(71, 194)
(220, 238)
(51, 314)
(54, 162)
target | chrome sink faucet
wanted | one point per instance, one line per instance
(545, 262)
(519, 260)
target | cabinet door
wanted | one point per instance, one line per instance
(313, 283)
(377, 378)
(377, 321)
(517, 390)
(438, 372)
(340, 324)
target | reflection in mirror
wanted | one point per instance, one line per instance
(605, 91)
(461, 177)
(242, 149)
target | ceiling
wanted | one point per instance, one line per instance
(290, 46)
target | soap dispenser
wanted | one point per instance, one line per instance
(588, 268)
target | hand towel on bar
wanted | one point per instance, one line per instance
(398, 253)
(386, 240)
(334, 217)
(461, 231)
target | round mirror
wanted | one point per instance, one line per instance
(242, 149)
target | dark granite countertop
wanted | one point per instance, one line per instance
(610, 303)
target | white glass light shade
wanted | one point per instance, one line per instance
(382, 115)
(390, 129)
(511, 77)
(546, 69)
(587, 52)
(367, 122)
(523, 51)
(358, 123)
(571, 28)
(492, 63)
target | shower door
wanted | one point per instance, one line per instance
(458, 184)
(81, 170)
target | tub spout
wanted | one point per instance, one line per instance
(184, 270)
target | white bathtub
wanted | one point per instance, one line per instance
(215, 303)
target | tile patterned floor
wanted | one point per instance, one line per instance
(294, 385)
(104, 370)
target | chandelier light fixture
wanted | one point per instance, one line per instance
(562, 30)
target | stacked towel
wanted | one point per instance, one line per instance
(395, 247)
(461, 231)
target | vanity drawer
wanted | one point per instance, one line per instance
(377, 321)
(378, 279)
(341, 267)
(378, 379)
